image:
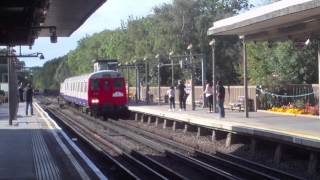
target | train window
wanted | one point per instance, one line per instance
(118, 83)
(95, 84)
(106, 84)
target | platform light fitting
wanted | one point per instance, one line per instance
(53, 35)
(307, 42)
(41, 56)
(212, 42)
(53, 38)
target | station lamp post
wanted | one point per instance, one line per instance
(212, 44)
(137, 80)
(192, 79)
(172, 68)
(147, 79)
(159, 92)
(128, 83)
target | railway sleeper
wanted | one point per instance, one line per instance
(167, 172)
(228, 165)
(207, 169)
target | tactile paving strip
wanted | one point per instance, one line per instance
(45, 167)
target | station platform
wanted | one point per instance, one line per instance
(300, 130)
(34, 147)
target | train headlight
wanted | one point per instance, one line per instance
(94, 101)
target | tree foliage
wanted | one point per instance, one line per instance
(283, 63)
(171, 27)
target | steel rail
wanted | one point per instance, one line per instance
(140, 136)
(248, 167)
(236, 164)
(259, 167)
(232, 166)
(126, 172)
(203, 167)
(139, 168)
(159, 167)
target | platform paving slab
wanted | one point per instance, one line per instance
(29, 150)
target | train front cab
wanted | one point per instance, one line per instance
(107, 96)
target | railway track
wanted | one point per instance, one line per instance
(217, 166)
(127, 166)
(139, 161)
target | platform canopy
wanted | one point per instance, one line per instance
(22, 21)
(282, 20)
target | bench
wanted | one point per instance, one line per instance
(238, 105)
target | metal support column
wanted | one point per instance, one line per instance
(128, 83)
(172, 69)
(318, 76)
(192, 82)
(147, 81)
(139, 84)
(213, 43)
(136, 95)
(10, 90)
(245, 74)
(204, 72)
(159, 93)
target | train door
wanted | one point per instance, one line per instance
(106, 91)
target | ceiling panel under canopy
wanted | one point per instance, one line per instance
(22, 21)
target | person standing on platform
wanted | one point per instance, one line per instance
(182, 95)
(220, 97)
(29, 95)
(20, 89)
(171, 94)
(209, 95)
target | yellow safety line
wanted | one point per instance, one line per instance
(43, 116)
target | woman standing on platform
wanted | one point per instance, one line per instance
(209, 95)
(171, 94)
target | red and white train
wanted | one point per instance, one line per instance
(100, 93)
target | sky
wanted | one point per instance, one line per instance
(108, 16)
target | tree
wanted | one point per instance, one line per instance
(283, 63)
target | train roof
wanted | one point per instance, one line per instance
(99, 74)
